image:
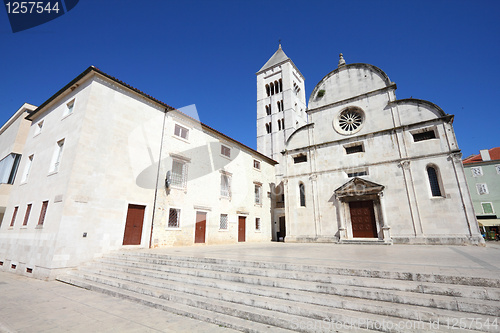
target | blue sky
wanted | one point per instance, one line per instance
(207, 53)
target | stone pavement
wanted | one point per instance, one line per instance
(30, 305)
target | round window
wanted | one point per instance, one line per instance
(349, 121)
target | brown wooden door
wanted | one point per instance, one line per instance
(200, 228)
(363, 219)
(241, 228)
(133, 225)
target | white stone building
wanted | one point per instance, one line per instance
(93, 180)
(366, 167)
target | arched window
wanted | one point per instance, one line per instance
(302, 195)
(283, 123)
(272, 88)
(267, 128)
(434, 181)
(267, 110)
(279, 106)
(281, 85)
(279, 125)
(276, 87)
(268, 90)
(270, 127)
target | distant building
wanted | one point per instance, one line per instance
(359, 165)
(483, 177)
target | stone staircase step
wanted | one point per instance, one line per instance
(296, 305)
(310, 293)
(228, 321)
(236, 316)
(393, 275)
(335, 282)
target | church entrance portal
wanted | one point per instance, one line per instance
(363, 219)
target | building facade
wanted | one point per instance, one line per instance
(483, 177)
(105, 166)
(367, 167)
(13, 136)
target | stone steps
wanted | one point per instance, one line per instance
(294, 297)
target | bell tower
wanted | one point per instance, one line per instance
(281, 105)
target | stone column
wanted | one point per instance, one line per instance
(386, 229)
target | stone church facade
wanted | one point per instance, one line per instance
(358, 165)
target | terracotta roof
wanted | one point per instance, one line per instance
(494, 154)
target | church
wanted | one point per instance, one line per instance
(357, 165)
(104, 166)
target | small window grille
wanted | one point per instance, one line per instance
(427, 135)
(174, 218)
(354, 149)
(223, 222)
(300, 159)
(257, 223)
(476, 171)
(226, 151)
(498, 169)
(482, 189)
(179, 174)
(181, 132)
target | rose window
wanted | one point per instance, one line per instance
(349, 121)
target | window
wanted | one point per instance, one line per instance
(268, 110)
(179, 173)
(300, 159)
(226, 151)
(69, 108)
(482, 189)
(174, 216)
(279, 124)
(268, 90)
(354, 149)
(427, 135)
(27, 169)
(434, 181)
(43, 211)
(56, 158)
(476, 171)
(14, 216)
(223, 222)
(256, 164)
(258, 194)
(281, 85)
(357, 173)
(498, 169)
(27, 215)
(181, 132)
(268, 128)
(302, 195)
(349, 121)
(8, 168)
(38, 128)
(487, 207)
(225, 185)
(257, 224)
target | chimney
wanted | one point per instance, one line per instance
(485, 155)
